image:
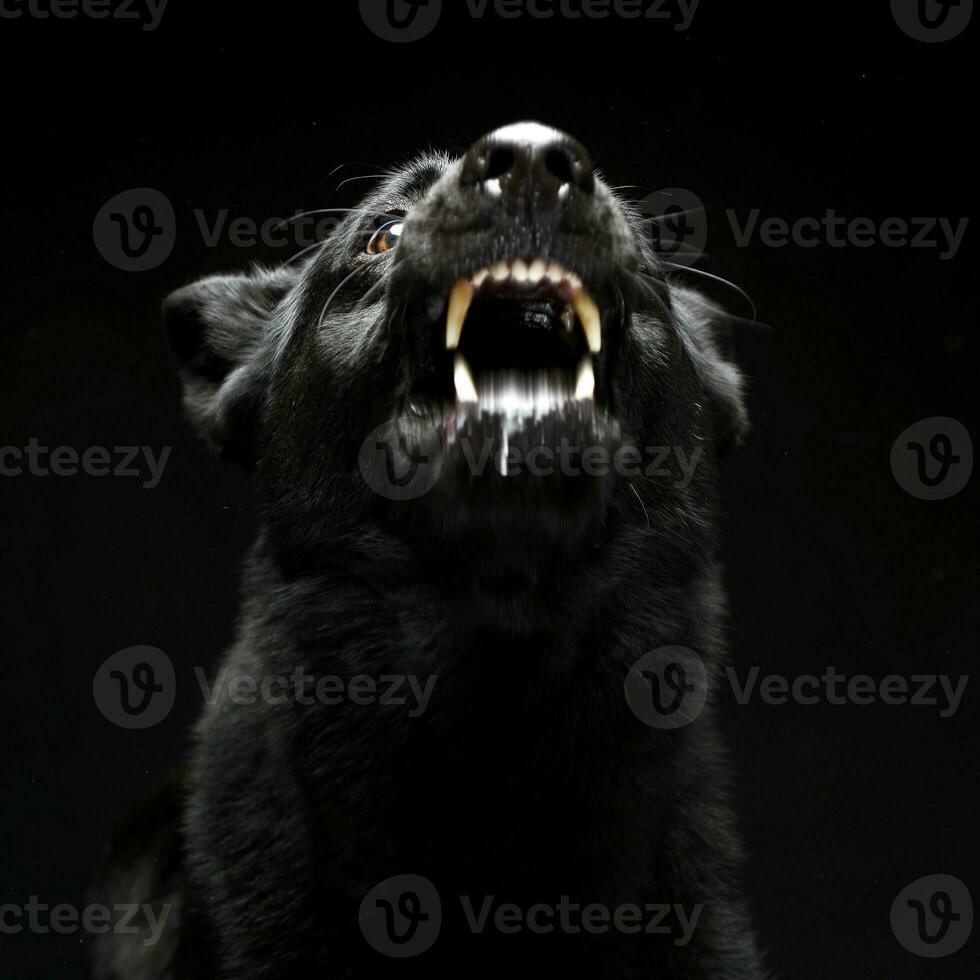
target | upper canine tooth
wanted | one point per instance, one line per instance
(463, 378)
(588, 313)
(519, 271)
(459, 305)
(585, 379)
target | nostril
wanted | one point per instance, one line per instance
(571, 165)
(499, 162)
(560, 164)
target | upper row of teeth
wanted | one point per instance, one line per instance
(529, 273)
(532, 273)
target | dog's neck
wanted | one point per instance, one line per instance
(488, 588)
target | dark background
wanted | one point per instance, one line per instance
(793, 109)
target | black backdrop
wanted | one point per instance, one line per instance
(791, 110)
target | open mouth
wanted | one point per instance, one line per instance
(521, 340)
(512, 374)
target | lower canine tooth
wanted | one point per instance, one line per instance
(585, 381)
(459, 305)
(588, 313)
(465, 385)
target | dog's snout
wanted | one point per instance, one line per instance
(527, 163)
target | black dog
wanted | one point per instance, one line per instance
(424, 761)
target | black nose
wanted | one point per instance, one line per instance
(527, 163)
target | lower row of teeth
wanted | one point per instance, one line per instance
(510, 391)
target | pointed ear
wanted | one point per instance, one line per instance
(220, 332)
(706, 330)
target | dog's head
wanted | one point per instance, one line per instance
(484, 357)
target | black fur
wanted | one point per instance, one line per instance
(528, 777)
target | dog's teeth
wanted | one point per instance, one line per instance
(588, 313)
(465, 385)
(568, 319)
(573, 281)
(500, 271)
(554, 273)
(536, 271)
(480, 278)
(459, 305)
(519, 271)
(585, 380)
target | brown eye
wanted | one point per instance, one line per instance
(385, 238)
